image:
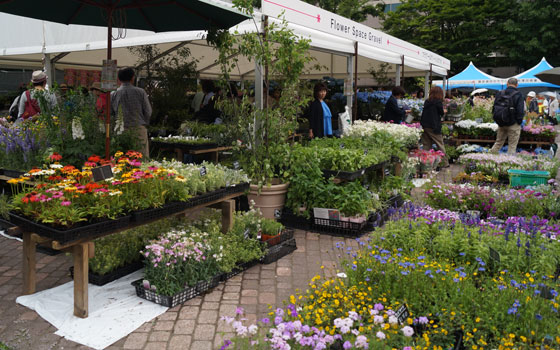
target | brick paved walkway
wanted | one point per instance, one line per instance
(194, 325)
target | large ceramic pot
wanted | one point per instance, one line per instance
(271, 198)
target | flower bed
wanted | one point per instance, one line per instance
(184, 142)
(502, 203)
(65, 199)
(423, 283)
(497, 165)
(488, 131)
(404, 135)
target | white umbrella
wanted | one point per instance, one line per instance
(478, 91)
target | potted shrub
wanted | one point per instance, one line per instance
(263, 134)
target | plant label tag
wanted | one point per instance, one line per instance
(259, 236)
(342, 146)
(402, 314)
(246, 234)
(277, 213)
(188, 131)
(546, 341)
(546, 292)
(365, 152)
(203, 171)
(101, 173)
(387, 172)
(494, 255)
(236, 165)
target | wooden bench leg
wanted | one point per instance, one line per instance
(398, 169)
(29, 277)
(81, 269)
(215, 157)
(228, 207)
(179, 154)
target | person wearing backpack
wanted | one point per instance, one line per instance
(29, 106)
(508, 112)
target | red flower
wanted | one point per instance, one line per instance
(94, 158)
(55, 157)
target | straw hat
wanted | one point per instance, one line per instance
(38, 76)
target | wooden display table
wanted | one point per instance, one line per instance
(83, 249)
(214, 151)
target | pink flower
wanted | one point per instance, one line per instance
(65, 203)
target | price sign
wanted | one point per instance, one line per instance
(277, 213)
(402, 314)
(203, 171)
(236, 165)
(387, 172)
(342, 146)
(109, 75)
(102, 173)
(246, 234)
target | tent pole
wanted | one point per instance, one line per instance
(349, 88)
(402, 71)
(427, 83)
(108, 111)
(430, 81)
(355, 105)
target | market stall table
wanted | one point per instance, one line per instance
(83, 249)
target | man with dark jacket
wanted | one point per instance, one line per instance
(513, 131)
(393, 113)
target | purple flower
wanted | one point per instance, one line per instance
(227, 343)
(347, 345)
(239, 311)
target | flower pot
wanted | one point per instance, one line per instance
(271, 198)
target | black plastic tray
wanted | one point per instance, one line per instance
(165, 300)
(185, 146)
(289, 219)
(341, 228)
(12, 173)
(239, 188)
(395, 201)
(101, 280)
(72, 234)
(279, 251)
(287, 234)
(204, 286)
(156, 213)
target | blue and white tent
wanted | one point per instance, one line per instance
(473, 78)
(528, 79)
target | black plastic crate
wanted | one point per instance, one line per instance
(239, 188)
(156, 213)
(340, 228)
(206, 198)
(237, 270)
(279, 251)
(395, 201)
(287, 234)
(71, 234)
(289, 219)
(205, 286)
(101, 280)
(12, 173)
(165, 300)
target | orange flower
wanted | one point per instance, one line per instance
(55, 157)
(94, 159)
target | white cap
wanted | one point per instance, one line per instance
(531, 94)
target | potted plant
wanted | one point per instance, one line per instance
(263, 134)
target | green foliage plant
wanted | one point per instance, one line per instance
(262, 134)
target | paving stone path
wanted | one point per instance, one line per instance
(193, 325)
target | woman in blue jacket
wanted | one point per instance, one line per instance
(320, 124)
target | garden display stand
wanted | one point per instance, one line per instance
(83, 249)
(180, 150)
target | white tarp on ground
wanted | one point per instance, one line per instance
(84, 46)
(114, 311)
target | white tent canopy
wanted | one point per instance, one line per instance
(73, 46)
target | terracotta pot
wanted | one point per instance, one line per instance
(270, 199)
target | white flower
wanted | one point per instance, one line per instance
(253, 329)
(77, 131)
(393, 320)
(407, 331)
(119, 126)
(380, 335)
(341, 275)
(56, 166)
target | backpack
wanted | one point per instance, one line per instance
(14, 110)
(504, 110)
(31, 107)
